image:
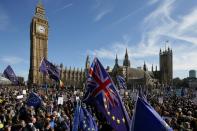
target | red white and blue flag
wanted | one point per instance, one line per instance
(102, 92)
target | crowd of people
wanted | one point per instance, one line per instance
(180, 112)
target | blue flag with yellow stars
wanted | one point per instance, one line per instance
(145, 118)
(83, 120)
(9, 74)
(48, 68)
(101, 92)
(76, 117)
(34, 100)
(121, 82)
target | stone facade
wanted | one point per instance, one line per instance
(73, 77)
(141, 77)
(166, 66)
(38, 44)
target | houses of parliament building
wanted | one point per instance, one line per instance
(76, 77)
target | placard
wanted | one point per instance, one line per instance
(60, 101)
(161, 100)
(19, 97)
(77, 98)
(24, 92)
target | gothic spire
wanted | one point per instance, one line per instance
(40, 2)
(116, 60)
(40, 11)
(144, 67)
(152, 68)
(126, 61)
(116, 66)
(87, 64)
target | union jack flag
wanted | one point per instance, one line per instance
(101, 90)
(121, 82)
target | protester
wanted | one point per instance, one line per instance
(15, 114)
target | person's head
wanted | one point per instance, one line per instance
(55, 114)
(189, 113)
(187, 125)
(33, 120)
(23, 124)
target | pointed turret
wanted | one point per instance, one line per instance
(116, 66)
(144, 67)
(87, 64)
(116, 60)
(40, 11)
(126, 61)
(61, 65)
(152, 68)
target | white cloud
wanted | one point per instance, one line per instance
(124, 18)
(151, 2)
(12, 60)
(156, 28)
(101, 14)
(102, 8)
(64, 7)
(160, 24)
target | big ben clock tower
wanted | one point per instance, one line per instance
(38, 44)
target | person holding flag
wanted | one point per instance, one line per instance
(48, 68)
(34, 100)
(83, 120)
(101, 92)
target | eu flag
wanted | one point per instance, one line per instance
(102, 91)
(34, 100)
(121, 82)
(83, 120)
(9, 74)
(48, 68)
(145, 118)
(76, 117)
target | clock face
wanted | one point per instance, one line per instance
(41, 29)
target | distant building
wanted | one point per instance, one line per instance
(21, 79)
(135, 77)
(76, 77)
(140, 76)
(192, 74)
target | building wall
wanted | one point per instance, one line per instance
(192, 73)
(72, 77)
(38, 45)
(166, 67)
